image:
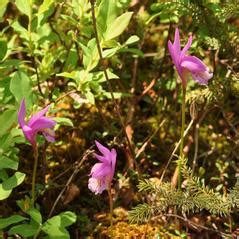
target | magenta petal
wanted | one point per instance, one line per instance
(38, 115)
(102, 159)
(113, 162)
(176, 44)
(97, 186)
(22, 113)
(173, 54)
(29, 134)
(193, 64)
(49, 134)
(102, 148)
(42, 123)
(187, 46)
(202, 78)
(100, 170)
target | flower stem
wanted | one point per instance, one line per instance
(35, 149)
(111, 210)
(182, 137)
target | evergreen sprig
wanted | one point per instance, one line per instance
(195, 196)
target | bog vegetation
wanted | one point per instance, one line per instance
(119, 119)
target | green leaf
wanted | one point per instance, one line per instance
(118, 26)
(20, 86)
(5, 222)
(55, 226)
(45, 6)
(91, 55)
(107, 12)
(3, 5)
(6, 162)
(64, 121)
(132, 39)
(7, 186)
(25, 230)
(35, 215)
(24, 6)
(7, 118)
(3, 48)
(90, 96)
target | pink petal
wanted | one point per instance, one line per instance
(29, 134)
(102, 148)
(187, 46)
(176, 44)
(173, 54)
(97, 186)
(193, 64)
(102, 159)
(49, 134)
(42, 123)
(22, 113)
(113, 162)
(202, 78)
(38, 115)
(101, 170)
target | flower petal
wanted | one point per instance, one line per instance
(102, 148)
(187, 46)
(49, 134)
(202, 78)
(101, 170)
(113, 162)
(102, 159)
(38, 115)
(176, 44)
(22, 113)
(193, 64)
(42, 123)
(29, 134)
(97, 186)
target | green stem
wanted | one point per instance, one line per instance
(34, 173)
(182, 137)
(111, 210)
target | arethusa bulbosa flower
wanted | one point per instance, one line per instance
(188, 64)
(102, 173)
(38, 123)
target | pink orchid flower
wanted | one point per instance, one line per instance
(102, 173)
(37, 123)
(185, 63)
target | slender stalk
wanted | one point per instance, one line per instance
(31, 49)
(108, 81)
(182, 137)
(35, 149)
(111, 210)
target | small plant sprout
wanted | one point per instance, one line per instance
(102, 174)
(185, 63)
(36, 124)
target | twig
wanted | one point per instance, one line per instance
(142, 148)
(75, 172)
(196, 139)
(37, 74)
(195, 225)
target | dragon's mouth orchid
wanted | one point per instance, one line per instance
(102, 173)
(185, 64)
(38, 123)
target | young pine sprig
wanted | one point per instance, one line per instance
(193, 197)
